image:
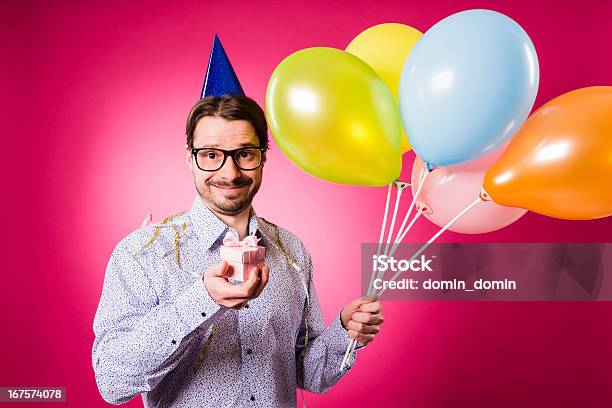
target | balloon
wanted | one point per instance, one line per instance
(560, 162)
(448, 190)
(467, 86)
(385, 48)
(333, 116)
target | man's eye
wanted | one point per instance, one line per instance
(211, 155)
(245, 154)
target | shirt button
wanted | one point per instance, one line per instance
(247, 305)
(203, 314)
(249, 351)
(252, 398)
(173, 341)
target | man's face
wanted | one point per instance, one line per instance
(229, 190)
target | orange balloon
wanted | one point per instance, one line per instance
(560, 162)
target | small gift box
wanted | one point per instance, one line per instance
(242, 255)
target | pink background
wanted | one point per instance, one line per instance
(92, 141)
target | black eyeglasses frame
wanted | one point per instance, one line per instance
(231, 153)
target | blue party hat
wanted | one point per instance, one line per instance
(220, 76)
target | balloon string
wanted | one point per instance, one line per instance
(401, 234)
(416, 195)
(395, 245)
(349, 350)
(398, 197)
(432, 239)
(384, 224)
(353, 343)
(351, 346)
(382, 229)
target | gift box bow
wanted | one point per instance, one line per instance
(245, 251)
(231, 240)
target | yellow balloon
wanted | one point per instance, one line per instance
(333, 116)
(385, 48)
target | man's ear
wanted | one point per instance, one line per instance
(188, 158)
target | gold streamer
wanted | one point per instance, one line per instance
(176, 236)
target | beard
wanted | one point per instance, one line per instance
(229, 204)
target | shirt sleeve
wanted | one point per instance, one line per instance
(137, 339)
(318, 365)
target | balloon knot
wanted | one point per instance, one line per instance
(484, 196)
(430, 167)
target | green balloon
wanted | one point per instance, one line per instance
(335, 118)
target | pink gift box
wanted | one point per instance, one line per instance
(242, 255)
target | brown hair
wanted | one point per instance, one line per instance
(229, 107)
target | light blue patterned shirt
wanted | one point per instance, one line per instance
(154, 322)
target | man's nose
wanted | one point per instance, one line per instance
(229, 169)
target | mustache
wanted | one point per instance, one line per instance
(238, 182)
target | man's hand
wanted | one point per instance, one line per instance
(362, 319)
(230, 295)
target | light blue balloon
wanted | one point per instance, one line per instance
(467, 86)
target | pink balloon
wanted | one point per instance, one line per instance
(449, 190)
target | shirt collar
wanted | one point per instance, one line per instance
(211, 230)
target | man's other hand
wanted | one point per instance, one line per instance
(362, 319)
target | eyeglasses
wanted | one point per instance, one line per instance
(245, 158)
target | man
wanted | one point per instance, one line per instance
(172, 327)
